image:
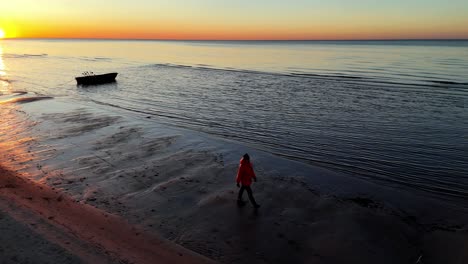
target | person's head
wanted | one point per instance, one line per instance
(246, 157)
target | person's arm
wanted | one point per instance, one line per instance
(238, 177)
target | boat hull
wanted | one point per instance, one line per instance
(96, 79)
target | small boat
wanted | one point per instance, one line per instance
(90, 78)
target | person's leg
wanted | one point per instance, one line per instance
(241, 192)
(251, 198)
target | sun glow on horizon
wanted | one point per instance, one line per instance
(238, 20)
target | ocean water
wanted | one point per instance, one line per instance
(390, 112)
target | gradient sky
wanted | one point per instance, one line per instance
(241, 19)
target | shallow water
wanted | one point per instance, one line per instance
(389, 112)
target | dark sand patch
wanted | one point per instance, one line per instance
(20, 244)
(120, 137)
(79, 122)
(19, 92)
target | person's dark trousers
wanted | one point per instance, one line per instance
(249, 192)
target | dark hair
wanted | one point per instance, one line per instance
(246, 157)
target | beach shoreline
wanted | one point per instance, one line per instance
(179, 185)
(83, 231)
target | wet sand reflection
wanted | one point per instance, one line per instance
(4, 84)
(20, 149)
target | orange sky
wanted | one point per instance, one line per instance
(209, 19)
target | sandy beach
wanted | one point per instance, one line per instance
(97, 186)
(76, 230)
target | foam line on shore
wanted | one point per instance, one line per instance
(23, 100)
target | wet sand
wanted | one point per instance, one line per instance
(76, 231)
(120, 186)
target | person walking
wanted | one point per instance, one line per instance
(245, 174)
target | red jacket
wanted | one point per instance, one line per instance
(245, 173)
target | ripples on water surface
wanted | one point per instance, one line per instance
(390, 112)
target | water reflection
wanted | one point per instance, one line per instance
(14, 154)
(13, 145)
(2, 65)
(4, 85)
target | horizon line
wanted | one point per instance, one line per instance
(243, 40)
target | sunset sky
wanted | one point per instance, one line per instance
(241, 19)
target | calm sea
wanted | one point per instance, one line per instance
(391, 112)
